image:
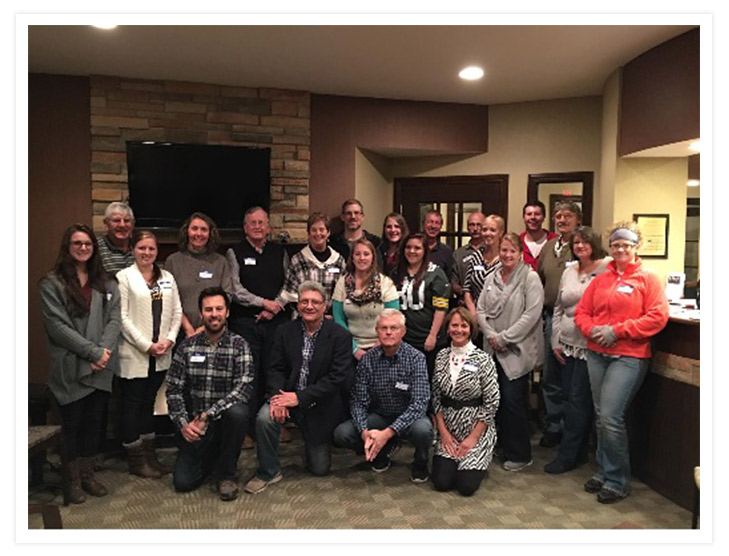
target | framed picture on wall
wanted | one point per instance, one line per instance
(555, 198)
(654, 229)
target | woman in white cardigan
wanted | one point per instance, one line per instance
(510, 317)
(151, 314)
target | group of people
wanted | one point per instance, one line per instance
(357, 341)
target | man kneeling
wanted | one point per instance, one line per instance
(310, 364)
(209, 386)
(389, 400)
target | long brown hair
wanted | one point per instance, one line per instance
(402, 263)
(404, 230)
(65, 270)
(138, 236)
(213, 238)
(374, 269)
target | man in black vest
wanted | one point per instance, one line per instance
(258, 268)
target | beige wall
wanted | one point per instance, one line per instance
(655, 186)
(525, 138)
(373, 187)
(603, 214)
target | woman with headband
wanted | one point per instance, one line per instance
(619, 312)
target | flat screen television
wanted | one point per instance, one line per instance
(170, 181)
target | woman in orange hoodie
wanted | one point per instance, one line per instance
(618, 314)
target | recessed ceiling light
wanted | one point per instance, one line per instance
(471, 73)
(105, 26)
(695, 146)
(693, 183)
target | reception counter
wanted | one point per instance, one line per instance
(664, 425)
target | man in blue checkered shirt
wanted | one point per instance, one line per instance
(389, 400)
(209, 387)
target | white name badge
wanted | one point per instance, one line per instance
(402, 386)
(206, 274)
(333, 270)
(469, 367)
(625, 288)
(195, 358)
(478, 267)
(108, 296)
(249, 261)
(165, 284)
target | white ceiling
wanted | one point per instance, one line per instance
(522, 63)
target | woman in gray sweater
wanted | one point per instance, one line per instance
(570, 348)
(80, 307)
(510, 316)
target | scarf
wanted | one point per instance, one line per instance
(518, 277)
(371, 293)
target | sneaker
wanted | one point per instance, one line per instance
(516, 465)
(558, 466)
(550, 439)
(381, 463)
(419, 473)
(256, 484)
(593, 485)
(609, 496)
(228, 490)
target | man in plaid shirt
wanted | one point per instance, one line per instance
(209, 386)
(389, 400)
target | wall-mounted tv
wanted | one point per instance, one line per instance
(169, 181)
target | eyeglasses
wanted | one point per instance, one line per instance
(86, 244)
(312, 302)
(623, 246)
(352, 213)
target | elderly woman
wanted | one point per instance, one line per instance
(151, 314)
(510, 317)
(394, 232)
(361, 295)
(197, 266)
(465, 398)
(483, 263)
(316, 262)
(620, 311)
(80, 305)
(570, 348)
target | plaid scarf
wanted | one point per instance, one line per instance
(373, 291)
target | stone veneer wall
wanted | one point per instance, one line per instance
(180, 112)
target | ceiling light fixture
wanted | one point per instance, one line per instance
(695, 146)
(471, 73)
(105, 26)
(693, 183)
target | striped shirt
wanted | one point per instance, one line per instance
(391, 386)
(113, 259)
(213, 377)
(476, 272)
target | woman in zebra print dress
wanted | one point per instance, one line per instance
(483, 263)
(465, 398)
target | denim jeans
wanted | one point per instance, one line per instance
(615, 382)
(551, 382)
(577, 411)
(81, 422)
(217, 451)
(512, 418)
(318, 456)
(419, 434)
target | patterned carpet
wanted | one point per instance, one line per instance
(353, 497)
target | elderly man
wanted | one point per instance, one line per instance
(389, 400)
(310, 365)
(352, 216)
(114, 247)
(438, 253)
(258, 269)
(209, 386)
(554, 256)
(534, 237)
(462, 255)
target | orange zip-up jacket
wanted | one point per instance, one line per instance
(634, 304)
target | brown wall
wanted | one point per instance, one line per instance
(660, 98)
(340, 125)
(59, 186)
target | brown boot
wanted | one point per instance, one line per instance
(74, 494)
(88, 481)
(148, 444)
(138, 464)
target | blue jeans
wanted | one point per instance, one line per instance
(577, 411)
(419, 434)
(268, 431)
(551, 382)
(614, 382)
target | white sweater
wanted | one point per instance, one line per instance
(137, 325)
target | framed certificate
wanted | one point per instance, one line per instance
(654, 229)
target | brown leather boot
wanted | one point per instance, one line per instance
(73, 478)
(148, 444)
(138, 464)
(88, 481)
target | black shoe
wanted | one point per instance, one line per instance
(381, 463)
(610, 496)
(550, 439)
(593, 485)
(419, 473)
(558, 466)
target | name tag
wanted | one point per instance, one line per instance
(196, 358)
(108, 296)
(625, 288)
(478, 267)
(249, 261)
(165, 284)
(333, 270)
(469, 367)
(402, 386)
(206, 274)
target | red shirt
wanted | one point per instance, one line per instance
(530, 259)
